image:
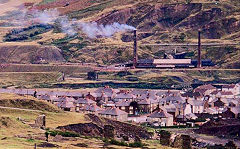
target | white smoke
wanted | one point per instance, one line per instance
(51, 16)
(92, 30)
(26, 17)
(67, 26)
(46, 16)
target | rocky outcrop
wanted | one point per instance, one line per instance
(222, 128)
(40, 121)
(182, 142)
(109, 131)
(103, 127)
(176, 141)
(86, 129)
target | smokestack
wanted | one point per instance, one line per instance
(199, 49)
(135, 56)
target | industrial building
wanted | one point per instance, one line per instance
(178, 60)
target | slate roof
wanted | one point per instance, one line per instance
(75, 94)
(196, 102)
(84, 101)
(191, 94)
(161, 93)
(170, 108)
(144, 102)
(235, 110)
(214, 92)
(59, 99)
(109, 104)
(123, 103)
(66, 104)
(124, 96)
(173, 99)
(104, 90)
(113, 111)
(200, 90)
(161, 113)
(207, 86)
(228, 86)
(92, 108)
(44, 97)
(226, 93)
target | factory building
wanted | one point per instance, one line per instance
(178, 60)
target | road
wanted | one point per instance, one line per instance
(193, 44)
(11, 108)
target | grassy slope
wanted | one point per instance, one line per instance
(10, 127)
(26, 102)
(15, 127)
(27, 79)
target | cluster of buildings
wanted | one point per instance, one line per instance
(157, 107)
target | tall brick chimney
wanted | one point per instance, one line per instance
(135, 55)
(199, 65)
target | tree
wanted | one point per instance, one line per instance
(92, 75)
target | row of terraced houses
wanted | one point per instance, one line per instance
(157, 107)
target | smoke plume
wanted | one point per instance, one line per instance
(25, 17)
(92, 30)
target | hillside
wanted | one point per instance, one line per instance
(16, 132)
(24, 102)
(164, 21)
(25, 54)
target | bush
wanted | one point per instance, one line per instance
(62, 133)
(136, 144)
(123, 73)
(115, 142)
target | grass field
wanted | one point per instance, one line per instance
(14, 127)
(75, 76)
(27, 79)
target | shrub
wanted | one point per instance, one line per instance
(62, 133)
(136, 144)
(115, 142)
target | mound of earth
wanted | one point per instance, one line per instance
(96, 128)
(228, 128)
(30, 54)
(25, 103)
